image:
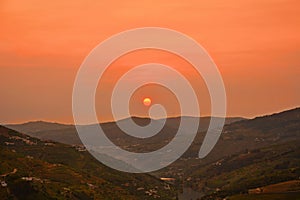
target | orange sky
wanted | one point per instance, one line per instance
(255, 44)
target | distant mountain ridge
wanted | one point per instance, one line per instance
(36, 126)
(238, 134)
(67, 133)
(254, 133)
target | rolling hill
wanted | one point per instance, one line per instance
(34, 169)
(250, 154)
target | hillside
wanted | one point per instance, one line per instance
(248, 171)
(33, 169)
(250, 154)
(252, 134)
(282, 190)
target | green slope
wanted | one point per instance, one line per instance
(250, 154)
(59, 171)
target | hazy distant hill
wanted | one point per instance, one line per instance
(253, 133)
(33, 169)
(238, 135)
(67, 133)
(37, 126)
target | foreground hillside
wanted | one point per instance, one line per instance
(33, 169)
(284, 190)
(250, 171)
(250, 154)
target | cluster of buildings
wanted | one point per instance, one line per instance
(3, 184)
(79, 148)
(153, 193)
(29, 179)
(25, 140)
(9, 143)
(255, 191)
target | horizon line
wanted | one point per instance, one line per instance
(144, 117)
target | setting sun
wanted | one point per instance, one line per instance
(147, 101)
